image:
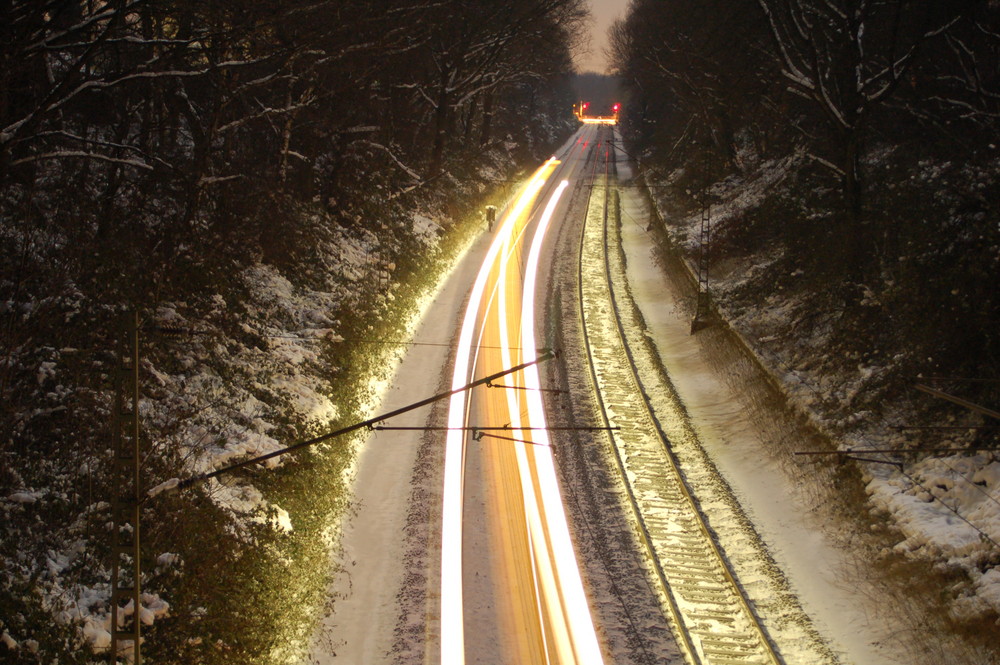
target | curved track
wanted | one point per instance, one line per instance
(712, 620)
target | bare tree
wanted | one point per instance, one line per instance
(684, 67)
(486, 47)
(848, 57)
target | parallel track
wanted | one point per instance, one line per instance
(711, 618)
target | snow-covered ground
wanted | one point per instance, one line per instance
(369, 565)
(813, 565)
(946, 507)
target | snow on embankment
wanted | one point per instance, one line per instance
(946, 508)
(224, 376)
(283, 325)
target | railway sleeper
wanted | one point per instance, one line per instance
(724, 660)
(696, 571)
(673, 511)
(651, 463)
(727, 653)
(672, 518)
(703, 579)
(710, 599)
(684, 588)
(663, 489)
(656, 509)
(664, 512)
(635, 443)
(673, 550)
(694, 595)
(682, 564)
(683, 540)
(697, 550)
(695, 568)
(727, 616)
(732, 641)
(665, 532)
(621, 397)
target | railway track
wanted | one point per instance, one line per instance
(712, 620)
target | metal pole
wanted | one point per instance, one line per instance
(958, 400)
(125, 489)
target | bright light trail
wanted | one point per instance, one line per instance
(452, 628)
(536, 413)
(562, 604)
(546, 586)
(580, 626)
(514, 413)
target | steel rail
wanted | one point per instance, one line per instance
(673, 612)
(692, 575)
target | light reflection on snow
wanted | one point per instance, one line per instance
(452, 629)
(562, 604)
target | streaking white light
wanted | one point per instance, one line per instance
(535, 536)
(536, 412)
(556, 639)
(452, 629)
(568, 583)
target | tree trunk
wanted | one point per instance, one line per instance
(484, 137)
(470, 118)
(286, 137)
(440, 124)
(854, 240)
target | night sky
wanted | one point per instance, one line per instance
(605, 12)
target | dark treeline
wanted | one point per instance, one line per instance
(888, 113)
(145, 141)
(192, 113)
(152, 152)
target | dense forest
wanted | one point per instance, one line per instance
(890, 112)
(272, 187)
(843, 155)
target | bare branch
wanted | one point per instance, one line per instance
(67, 154)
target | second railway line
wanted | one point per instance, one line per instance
(669, 480)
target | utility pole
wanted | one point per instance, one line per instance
(125, 490)
(701, 306)
(702, 310)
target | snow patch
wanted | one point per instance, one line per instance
(25, 497)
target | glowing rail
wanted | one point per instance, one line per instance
(567, 630)
(564, 595)
(452, 630)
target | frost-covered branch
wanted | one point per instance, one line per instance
(406, 169)
(207, 180)
(827, 163)
(66, 154)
